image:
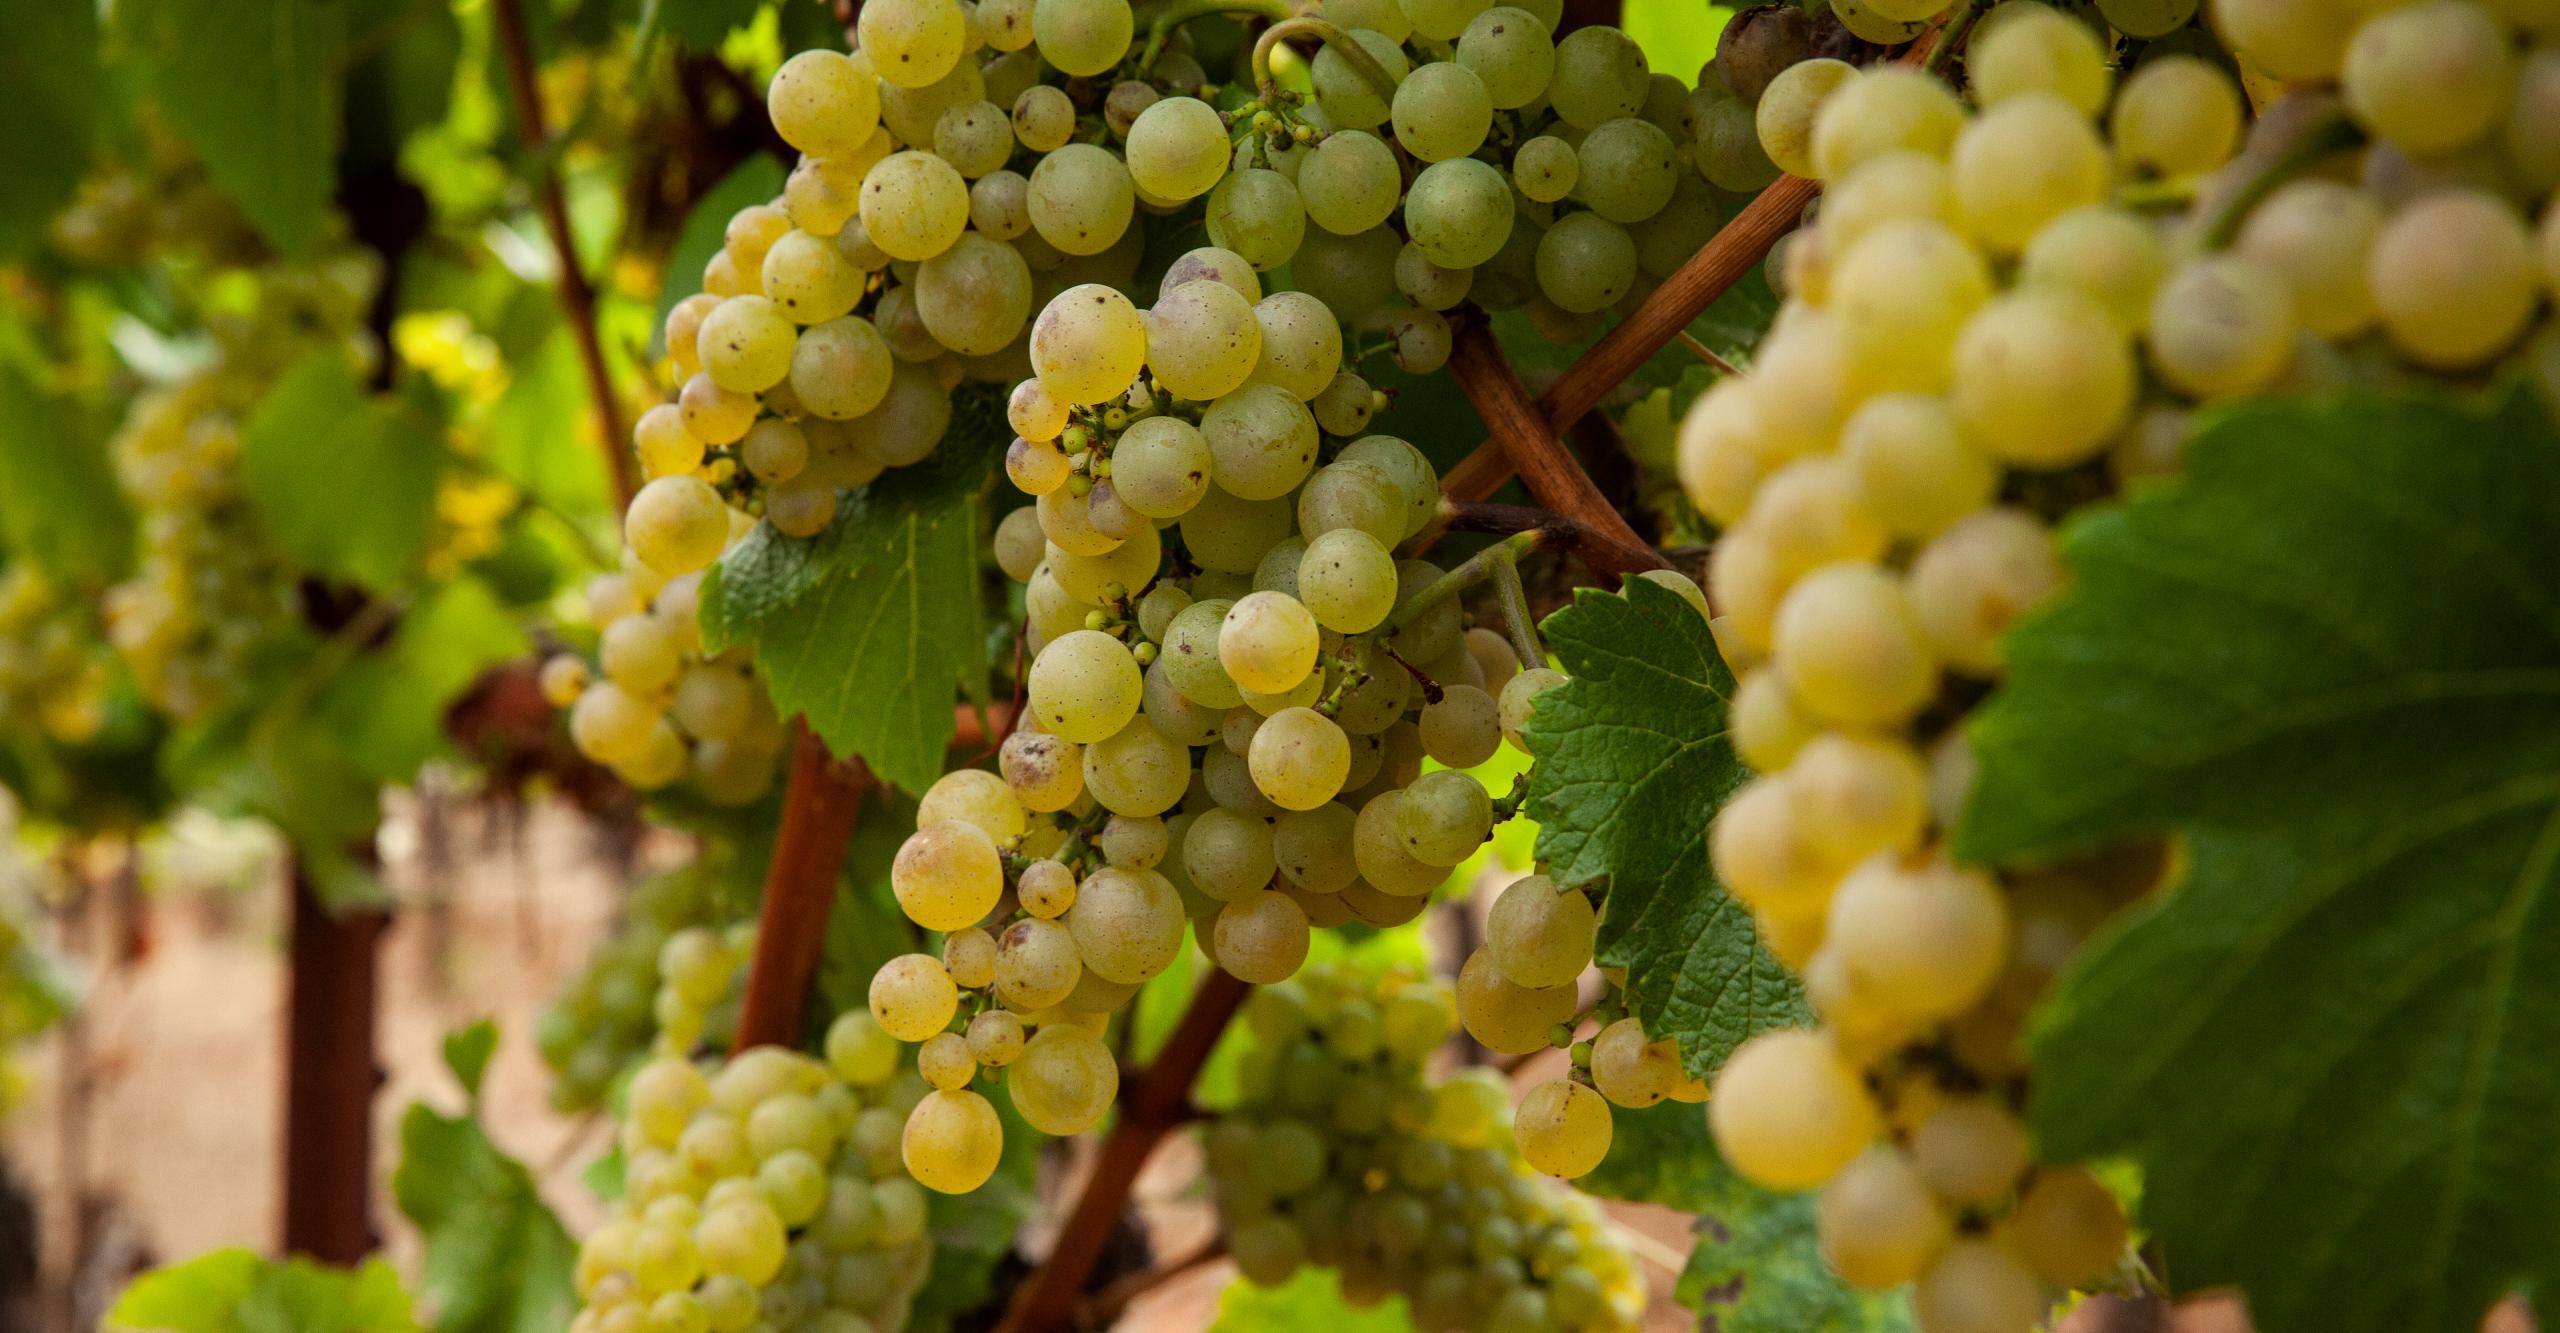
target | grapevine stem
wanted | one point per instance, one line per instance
(1951, 35)
(1724, 260)
(818, 809)
(1161, 20)
(1529, 437)
(1153, 1106)
(1351, 52)
(577, 297)
(1516, 620)
(1704, 353)
(2325, 137)
(1474, 569)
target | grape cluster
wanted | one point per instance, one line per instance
(765, 1195)
(54, 677)
(664, 979)
(1344, 1153)
(207, 592)
(663, 709)
(1977, 335)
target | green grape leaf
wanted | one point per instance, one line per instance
(704, 24)
(236, 1291)
(2329, 659)
(1632, 763)
(497, 1260)
(753, 181)
(253, 86)
(50, 67)
(344, 481)
(1757, 1267)
(387, 708)
(63, 511)
(467, 1052)
(1311, 1300)
(539, 431)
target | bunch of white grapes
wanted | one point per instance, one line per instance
(54, 672)
(766, 1194)
(656, 708)
(640, 989)
(208, 591)
(1971, 309)
(1345, 1154)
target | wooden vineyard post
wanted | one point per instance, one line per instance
(330, 1075)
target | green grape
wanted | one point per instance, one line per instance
(1976, 1286)
(1313, 847)
(1034, 413)
(1299, 757)
(1443, 817)
(1518, 700)
(1088, 344)
(912, 43)
(974, 296)
(1064, 1081)
(1161, 467)
(745, 344)
(1084, 686)
(1000, 205)
(2147, 18)
(1422, 341)
(1034, 469)
(1459, 210)
(2221, 325)
(824, 103)
(1925, 940)
(1346, 579)
(1882, 110)
(2453, 278)
(1462, 728)
(1261, 938)
(1431, 286)
(1586, 262)
(2038, 51)
(1408, 468)
(947, 875)
(1127, 923)
(1378, 850)
(1505, 1016)
(1971, 582)
(1913, 465)
(1211, 264)
(1352, 493)
(1903, 295)
(2176, 116)
(1268, 1250)
(1731, 147)
(1563, 1128)
(742, 1239)
(1175, 714)
(912, 997)
(995, 1037)
(1545, 168)
(952, 1141)
(1267, 642)
(1137, 770)
(1127, 100)
(1226, 534)
(1082, 37)
(1600, 75)
(2023, 163)
(1257, 214)
(2531, 135)
(1666, 240)
(1301, 344)
(1384, 17)
(1227, 855)
(914, 205)
(1632, 1071)
(1354, 276)
(1263, 443)
(1189, 654)
(2317, 236)
(1343, 93)
(2069, 1227)
(1512, 51)
(1043, 118)
(1879, 1225)
(2431, 77)
(944, 1059)
(1178, 148)
(2041, 378)
(1442, 111)
(1278, 572)
(976, 138)
(1788, 1112)
(1037, 961)
(859, 1050)
(1202, 341)
(676, 525)
(910, 421)
(1082, 197)
(1627, 170)
(2117, 259)
(774, 451)
(809, 279)
(1350, 182)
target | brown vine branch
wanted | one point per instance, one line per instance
(1156, 1104)
(818, 808)
(1105, 1306)
(1529, 438)
(577, 295)
(1721, 262)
